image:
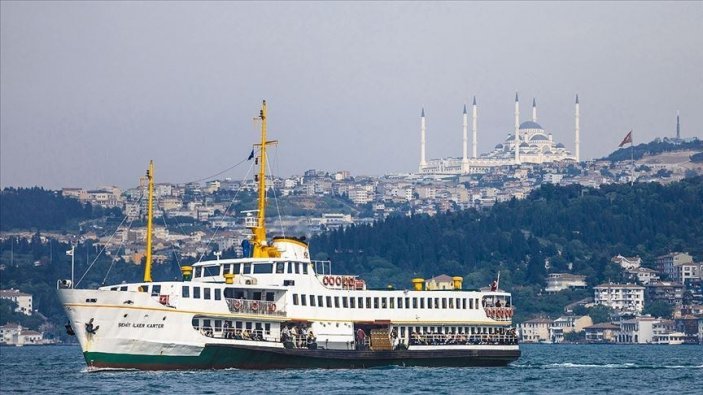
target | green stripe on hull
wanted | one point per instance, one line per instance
(248, 357)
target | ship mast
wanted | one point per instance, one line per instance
(150, 179)
(261, 247)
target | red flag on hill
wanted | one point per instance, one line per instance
(627, 139)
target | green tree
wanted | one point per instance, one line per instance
(658, 308)
(600, 313)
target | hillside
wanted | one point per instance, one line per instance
(567, 229)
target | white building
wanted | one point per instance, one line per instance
(624, 298)
(627, 263)
(643, 275)
(15, 334)
(639, 330)
(535, 330)
(23, 300)
(560, 281)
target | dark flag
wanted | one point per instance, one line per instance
(251, 156)
(627, 139)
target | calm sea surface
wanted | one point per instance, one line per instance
(542, 369)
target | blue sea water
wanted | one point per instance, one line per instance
(543, 369)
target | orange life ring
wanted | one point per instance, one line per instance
(255, 305)
(272, 307)
(338, 280)
(237, 304)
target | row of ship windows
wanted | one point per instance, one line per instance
(252, 268)
(361, 302)
(218, 325)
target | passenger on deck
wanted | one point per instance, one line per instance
(360, 339)
(294, 336)
(246, 335)
(311, 340)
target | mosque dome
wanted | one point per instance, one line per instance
(539, 137)
(524, 145)
(560, 145)
(530, 125)
(499, 146)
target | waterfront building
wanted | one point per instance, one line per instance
(14, 334)
(639, 330)
(624, 298)
(568, 324)
(601, 333)
(23, 300)
(560, 281)
(535, 330)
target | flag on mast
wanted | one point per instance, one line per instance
(69, 252)
(627, 139)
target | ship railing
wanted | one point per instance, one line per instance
(237, 334)
(247, 306)
(462, 339)
(500, 313)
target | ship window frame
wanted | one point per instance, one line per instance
(196, 292)
(444, 303)
(320, 301)
(236, 268)
(352, 303)
(295, 299)
(336, 302)
(123, 288)
(414, 302)
(195, 322)
(360, 302)
(345, 302)
(270, 296)
(384, 303)
(206, 293)
(207, 323)
(246, 268)
(238, 325)
(328, 301)
(368, 302)
(305, 268)
(436, 303)
(312, 301)
(218, 325)
(429, 303)
(297, 267)
(208, 270)
(267, 328)
(280, 267)
(248, 326)
(422, 303)
(218, 294)
(391, 303)
(399, 302)
(471, 304)
(376, 302)
(303, 300)
(185, 292)
(289, 266)
(263, 268)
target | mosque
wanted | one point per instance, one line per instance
(528, 143)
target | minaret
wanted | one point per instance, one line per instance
(534, 110)
(474, 127)
(577, 141)
(517, 129)
(678, 126)
(423, 162)
(465, 160)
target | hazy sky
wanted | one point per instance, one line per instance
(89, 92)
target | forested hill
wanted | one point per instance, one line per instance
(573, 228)
(39, 209)
(652, 148)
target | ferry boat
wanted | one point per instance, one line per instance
(277, 308)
